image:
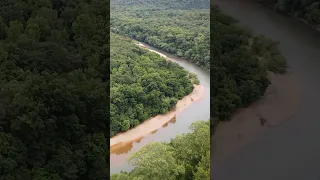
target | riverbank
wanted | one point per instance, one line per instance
(121, 140)
(190, 111)
(143, 46)
(156, 122)
(125, 147)
(280, 103)
(304, 21)
(291, 150)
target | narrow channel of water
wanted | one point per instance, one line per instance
(199, 110)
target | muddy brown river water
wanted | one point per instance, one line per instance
(291, 150)
(164, 127)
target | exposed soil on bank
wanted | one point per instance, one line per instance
(143, 46)
(156, 122)
(279, 104)
(122, 142)
(125, 147)
(178, 120)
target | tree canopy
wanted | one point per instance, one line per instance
(54, 72)
(177, 27)
(186, 157)
(239, 63)
(308, 10)
(143, 84)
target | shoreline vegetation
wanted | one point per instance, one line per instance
(125, 147)
(304, 11)
(169, 26)
(241, 63)
(249, 123)
(179, 28)
(120, 24)
(151, 91)
(186, 156)
(158, 121)
(153, 124)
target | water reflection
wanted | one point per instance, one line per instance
(172, 121)
(125, 147)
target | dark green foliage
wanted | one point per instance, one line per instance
(54, 69)
(186, 157)
(143, 84)
(239, 63)
(308, 10)
(170, 26)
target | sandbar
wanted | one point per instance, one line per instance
(157, 122)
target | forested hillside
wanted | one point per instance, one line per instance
(143, 84)
(308, 10)
(240, 62)
(177, 27)
(53, 89)
(186, 157)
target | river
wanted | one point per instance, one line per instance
(292, 150)
(199, 110)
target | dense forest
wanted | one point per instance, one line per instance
(308, 10)
(186, 157)
(163, 4)
(240, 63)
(54, 71)
(178, 27)
(143, 84)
